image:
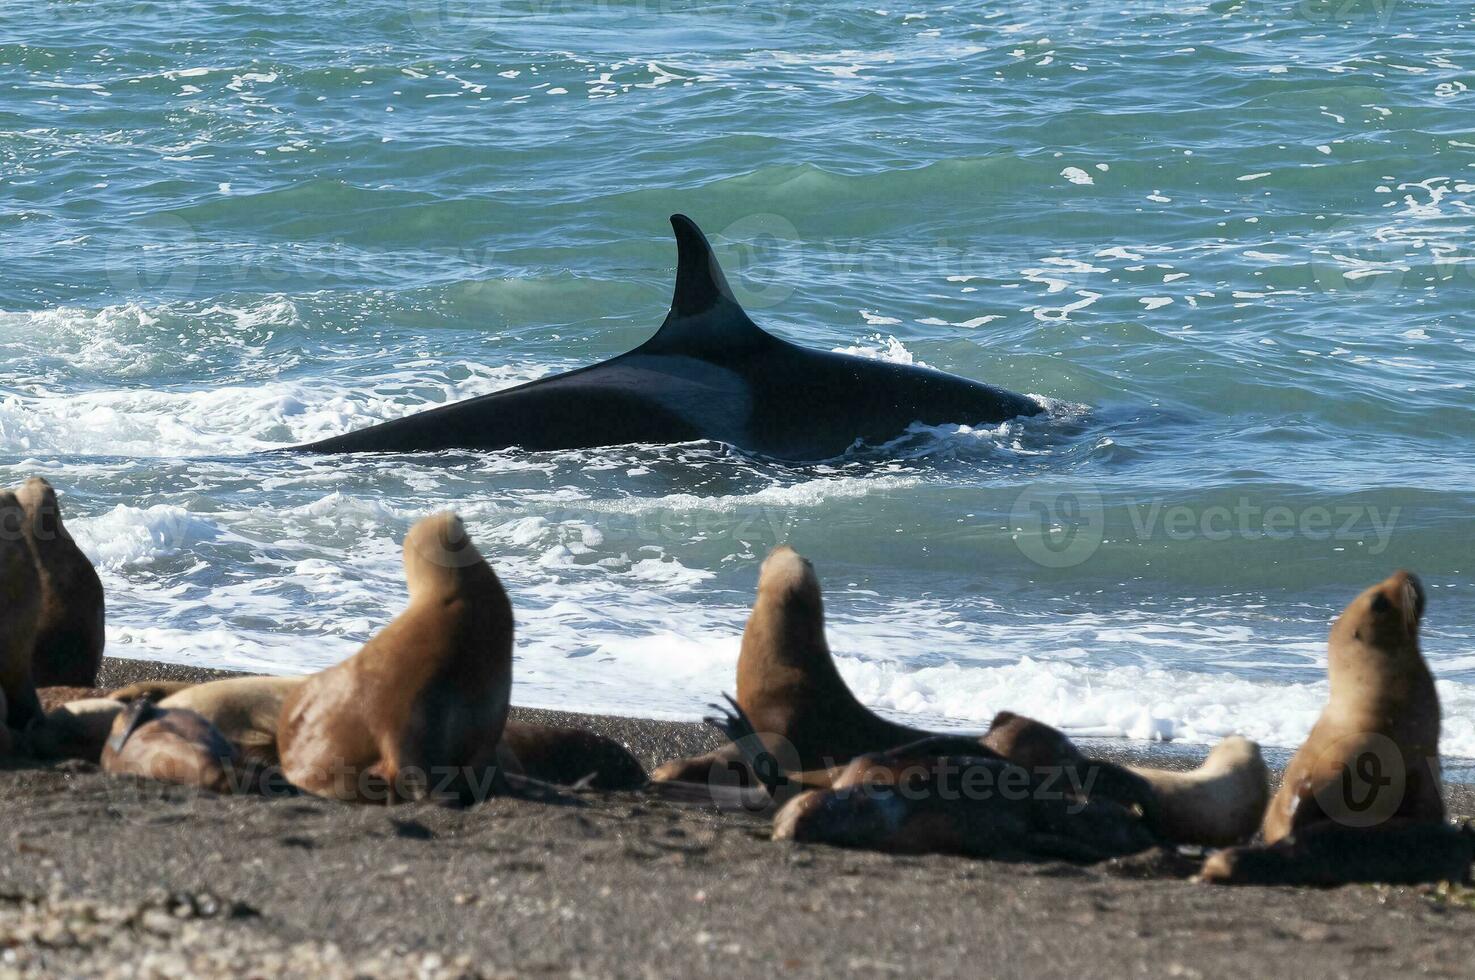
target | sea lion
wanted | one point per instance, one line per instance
(171, 746)
(1048, 752)
(420, 709)
(154, 691)
(788, 685)
(20, 609)
(246, 710)
(569, 756)
(1216, 805)
(75, 729)
(972, 806)
(1087, 809)
(1325, 853)
(69, 634)
(1373, 755)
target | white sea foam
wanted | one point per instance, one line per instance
(883, 349)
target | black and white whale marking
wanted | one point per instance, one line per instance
(709, 373)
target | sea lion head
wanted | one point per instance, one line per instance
(1383, 621)
(788, 577)
(439, 555)
(43, 514)
(1028, 743)
(1234, 753)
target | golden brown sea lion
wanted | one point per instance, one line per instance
(1325, 853)
(20, 609)
(75, 729)
(171, 747)
(1218, 804)
(1373, 755)
(788, 685)
(246, 710)
(154, 691)
(420, 709)
(69, 633)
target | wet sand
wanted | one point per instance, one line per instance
(119, 877)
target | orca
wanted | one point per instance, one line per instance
(709, 373)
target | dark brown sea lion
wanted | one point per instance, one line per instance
(1325, 853)
(75, 729)
(69, 634)
(788, 685)
(5, 737)
(941, 809)
(20, 610)
(568, 756)
(171, 747)
(972, 806)
(1373, 755)
(1216, 805)
(420, 709)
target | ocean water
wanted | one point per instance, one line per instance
(1228, 244)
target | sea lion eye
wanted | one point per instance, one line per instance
(1381, 603)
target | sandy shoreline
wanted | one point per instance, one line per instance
(112, 876)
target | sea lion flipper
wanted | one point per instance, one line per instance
(734, 722)
(730, 720)
(135, 716)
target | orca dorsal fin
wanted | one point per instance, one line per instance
(705, 317)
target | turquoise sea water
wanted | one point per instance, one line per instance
(1229, 244)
